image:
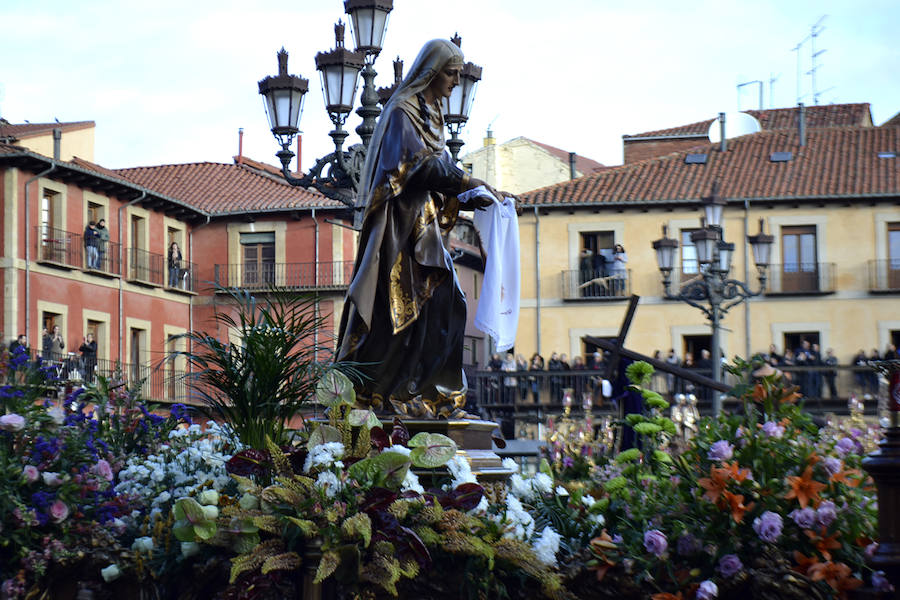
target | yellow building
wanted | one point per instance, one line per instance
(829, 195)
(521, 164)
(62, 141)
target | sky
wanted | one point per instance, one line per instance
(172, 81)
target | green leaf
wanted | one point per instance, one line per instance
(430, 450)
(615, 484)
(544, 467)
(190, 509)
(245, 542)
(654, 400)
(323, 434)
(359, 525)
(387, 469)
(359, 417)
(647, 428)
(661, 456)
(205, 530)
(183, 531)
(628, 455)
(327, 564)
(634, 419)
(306, 527)
(335, 389)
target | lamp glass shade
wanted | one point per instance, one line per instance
(369, 26)
(458, 106)
(283, 96)
(713, 213)
(705, 241)
(726, 253)
(762, 248)
(665, 253)
(339, 87)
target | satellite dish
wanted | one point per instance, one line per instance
(736, 125)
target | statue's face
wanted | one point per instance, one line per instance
(444, 82)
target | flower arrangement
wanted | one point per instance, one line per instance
(756, 495)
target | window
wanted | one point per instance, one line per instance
(799, 263)
(893, 253)
(593, 264)
(53, 238)
(138, 350)
(689, 264)
(49, 321)
(259, 259)
(95, 212)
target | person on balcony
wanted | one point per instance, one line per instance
(57, 344)
(405, 314)
(174, 261)
(103, 239)
(617, 269)
(92, 245)
(88, 351)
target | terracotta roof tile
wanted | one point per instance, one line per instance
(836, 162)
(829, 115)
(892, 122)
(17, 131)
(221, 188)
(583, 164)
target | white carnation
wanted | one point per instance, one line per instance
(411, 483)
(510, 465)
(521, 488)
(323, 455)
(330, 482)
(461, 471)
(542, 483)
(399, 449)
(546, 546)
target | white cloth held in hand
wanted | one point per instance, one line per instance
(498, 305)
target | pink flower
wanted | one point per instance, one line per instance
(103, 469)
(59, 511)
(12, 422)
(31, 473)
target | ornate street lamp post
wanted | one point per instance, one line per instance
(713, 292)
(337, 174)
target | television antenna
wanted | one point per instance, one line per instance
(755, 81)
(772, 80)
(814, 33)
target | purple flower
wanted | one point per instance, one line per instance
(844, 447)
(768, 526)
(707, 591)
(730, 565)
(687, 545)
(826, 513)
(832, 465)
(805, 518)
(721, 450)
(655, 542)
(568, 461)
(772, 429)
(881, 583)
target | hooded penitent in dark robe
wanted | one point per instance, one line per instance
(405, 314)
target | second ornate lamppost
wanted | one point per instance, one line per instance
(337, 174)
(713, 292)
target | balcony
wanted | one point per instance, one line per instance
(884, 276)
(149, 268)
(800, 279)
(60, 248)
(327, 276)
(160, 383)
(593, 285)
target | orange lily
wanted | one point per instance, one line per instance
(714, 484)
(790, 395)
(804, 488)
(735, 472)
(599, 546)
(851, 477)
(824, 543)
(804, 563)
(837, 575)
(736, 503)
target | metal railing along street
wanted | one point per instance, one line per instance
(593, 284)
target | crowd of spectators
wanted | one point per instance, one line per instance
(81, 366)
(536, 380)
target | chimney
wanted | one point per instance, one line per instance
(299, 150)
(240, 159)
(489, 138)
(57, 142)
(723, 144)
(572, 172)
(801, 123)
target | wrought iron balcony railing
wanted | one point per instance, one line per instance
(67, 249)
(324, 276)
(591, 284)
(884, 275)
(800, 278)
